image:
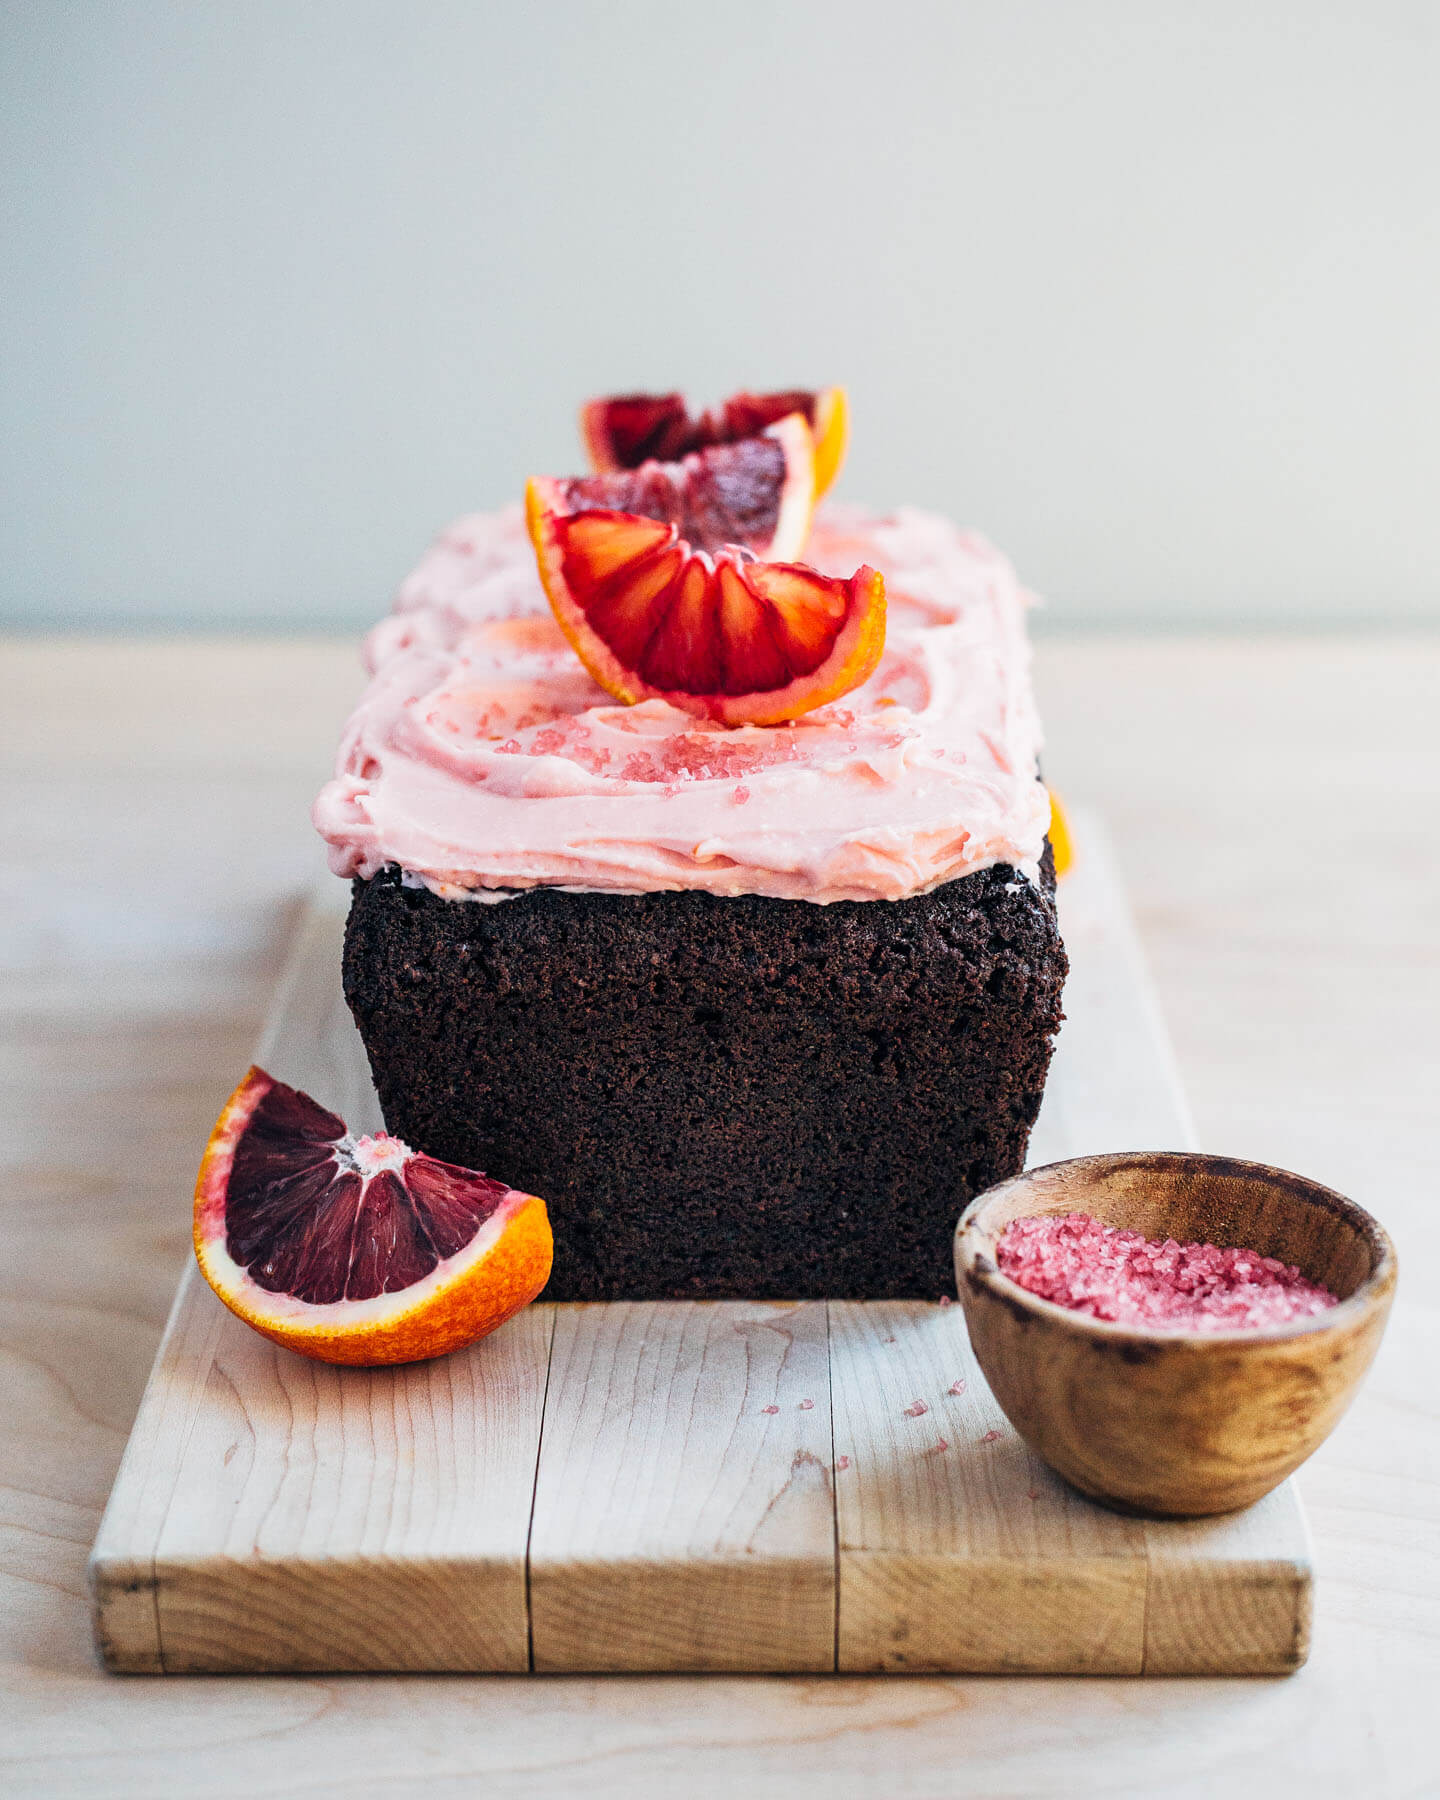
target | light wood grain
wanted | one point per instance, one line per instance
(122, 1562)
(683, 1510)
(1113, 1081)
(327, 1518)
(1219, 1598)
(309, 1036)
(958, 1549)
(140, 950)
(275, 1513)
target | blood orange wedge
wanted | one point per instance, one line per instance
(725, 636)
(621, 431)
(759, 492)
(357, 1250)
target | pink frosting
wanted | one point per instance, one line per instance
(483, 757)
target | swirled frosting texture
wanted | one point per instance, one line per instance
(482, 758)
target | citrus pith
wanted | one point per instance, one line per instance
(358, 1251)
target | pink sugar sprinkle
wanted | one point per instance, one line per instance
(938, 1448)
(769, 1409)
(589, 757)
(1132, 1280)
(945, 1300)
(915, 1409)
(991, 1437)
(806, 1405)
(710, 753)
(842, 1462)
(956, 1387)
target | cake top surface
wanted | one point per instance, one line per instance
(483, 759)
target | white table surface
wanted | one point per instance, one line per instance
(1276, 808)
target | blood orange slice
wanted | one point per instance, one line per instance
(725, 637)
(759, 492)
(357, 1250)
(621, 431)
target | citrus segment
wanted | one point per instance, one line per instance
(723, 636)
(621, 431)
(759, 492)
(357, 1250)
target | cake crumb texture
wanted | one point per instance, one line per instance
(741, 1097)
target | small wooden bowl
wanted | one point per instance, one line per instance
(1177, 1424)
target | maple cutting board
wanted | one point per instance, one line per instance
(738, 1486)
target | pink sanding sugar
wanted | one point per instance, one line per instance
(1132, 1280)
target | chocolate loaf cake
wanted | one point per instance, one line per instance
(755, 1010)
(719, 1097)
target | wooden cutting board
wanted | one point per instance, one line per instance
(736, 1486)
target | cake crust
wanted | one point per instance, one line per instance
(742, 1097)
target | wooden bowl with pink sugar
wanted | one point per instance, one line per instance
(1188, 1398)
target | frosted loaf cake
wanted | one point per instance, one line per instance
(756, 1009)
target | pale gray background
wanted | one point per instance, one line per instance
(1150, 293)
